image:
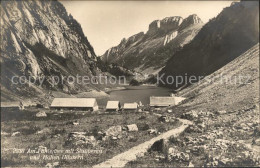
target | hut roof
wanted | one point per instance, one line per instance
(112, 105)
(130, 106)
(162, 101)
(74, 102)
(10, 104)
(165, 101)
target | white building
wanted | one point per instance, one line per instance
(75, 104)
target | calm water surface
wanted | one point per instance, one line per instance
(135, 94)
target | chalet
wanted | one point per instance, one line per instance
(84, 104)
(130, 106)
(10, 106)
(113, 106)
(165, 101)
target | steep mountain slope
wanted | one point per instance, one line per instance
(234, 86)
(149, 52)
(40, 39)
(222, 39)
(225, 117)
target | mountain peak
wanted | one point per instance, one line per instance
(195, 18)
(148, 52)
(217, 43)
(167, 24)
(173, 23)
(190, 20)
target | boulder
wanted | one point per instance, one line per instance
(114, 131)
(171, 150)
(79, 138)
(191, 165)
(41, 114)
(90, 140)
(190, 115)
(152, 131)
(164, 118)
(75, 123)
(222, 112)
(114, 138)
(44, 131)
(132, 127)
(174, 154)
(160, 146)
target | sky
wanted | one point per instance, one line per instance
(106, 23)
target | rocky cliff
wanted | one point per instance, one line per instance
(221, 40)
(165, 25)
(40, 39)
(148, 52)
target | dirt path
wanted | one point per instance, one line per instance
(122, 159)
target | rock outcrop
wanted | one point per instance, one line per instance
(148, 52)
(166, 24)
(170, 37)
(220, 41)
(191, 20)
(40, 39)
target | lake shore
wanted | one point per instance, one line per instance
(108, 90)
